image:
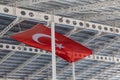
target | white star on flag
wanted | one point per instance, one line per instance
(60, 46)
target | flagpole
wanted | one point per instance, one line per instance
(73, 70)
(53, 50)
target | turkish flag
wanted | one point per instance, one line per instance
(39, 36)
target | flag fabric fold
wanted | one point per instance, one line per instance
(39, 36)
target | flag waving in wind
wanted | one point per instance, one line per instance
(39, 36)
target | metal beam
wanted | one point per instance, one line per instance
(98, 17)
(58, 19)
(23, 65)
(5, 30)
(104, 17)
(91, 7)
(20, 48)
(30, 2)
(99, 34)
(38, 51)
(115, 22)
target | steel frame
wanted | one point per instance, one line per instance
(93, 7)
(92, 57)
(19, 48)
(30, 2)
(5, 30)
(57, 19)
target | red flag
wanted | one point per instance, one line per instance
(40, 37)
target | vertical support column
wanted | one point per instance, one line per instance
(73, 70)
(53, 50)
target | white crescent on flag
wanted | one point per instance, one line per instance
(37, 36)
